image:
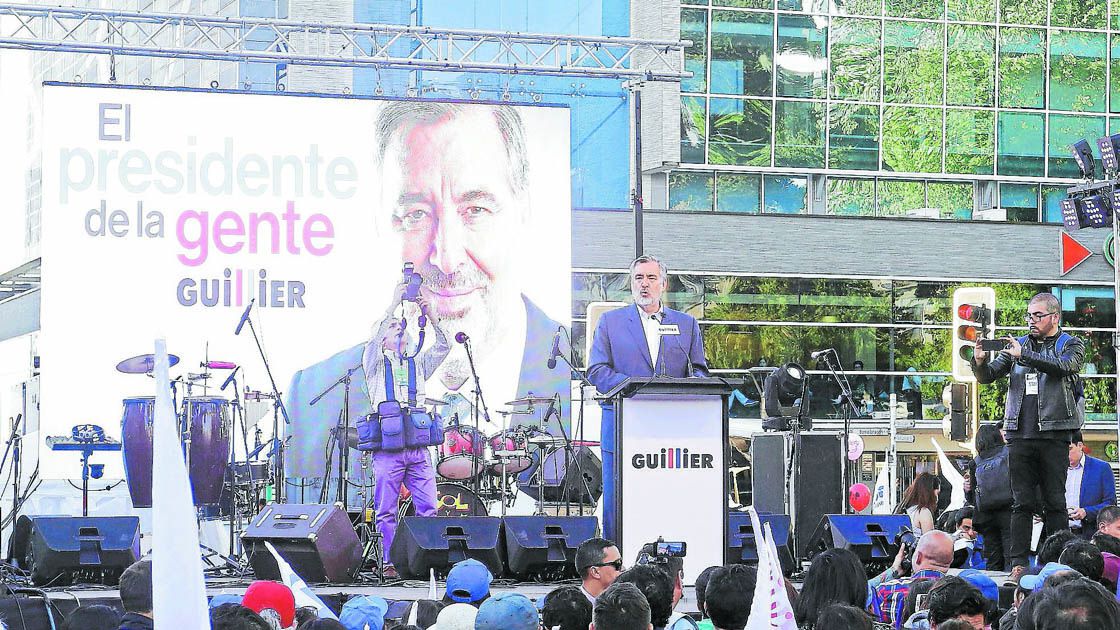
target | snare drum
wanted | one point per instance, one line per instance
(461, 453)
(452, 499)
(512, 447)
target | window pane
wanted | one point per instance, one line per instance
(1020, 201)
(785, 195)
(799, 134)
(855, 59)
(972, 10)
(739, 132)
(913, 63)
(853, 136)
(912, 139)
(954, 201)
(694, 27)
(1077, 71)
(928, 9)
(1023, 11)
(746, 4)
(1064, 131)
(1051, 211)
(851, 196)
(1022, 67)
(1020, 144)
(969, 141)
(858, 7)
(738, 193)
(742, 53)
(972, 65)
(690, 191)
(694, 126)
(899, 198)
(796, 299)
(1114, 88)
(1079, 13)
(801, 59)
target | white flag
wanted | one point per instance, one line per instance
(771, 607)
(781, 615)
(883, 500)
(955, 478)
(178, 586)
(302, 592)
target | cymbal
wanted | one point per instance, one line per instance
(530, 400)
(143, 364)
(545, 439)
(435, 401)
(516, 412)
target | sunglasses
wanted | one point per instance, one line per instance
(617, 564)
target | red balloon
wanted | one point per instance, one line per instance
(859, 497)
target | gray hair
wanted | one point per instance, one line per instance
(1049, 299)
(397, 116)
(645, 258)
(272, 618)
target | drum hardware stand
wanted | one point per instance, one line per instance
(846, 395)
(479, 402)
(342, 438)
(234, 515)
(15, 448)
(278, 409)
(583, 382)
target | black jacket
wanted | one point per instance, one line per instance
(1057, 408)
(133, 621)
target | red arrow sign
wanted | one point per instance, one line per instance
(1071, 252)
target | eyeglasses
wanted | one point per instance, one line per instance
(617, 564)
(1037, 317)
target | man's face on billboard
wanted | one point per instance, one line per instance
(447, 185)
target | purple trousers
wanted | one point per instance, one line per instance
(413, 468)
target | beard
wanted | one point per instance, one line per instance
(478, 314)
(644, 301)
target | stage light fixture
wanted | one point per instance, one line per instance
(1083, 155)
(1071, 213)
(1109, 146)
(1096, 211)
(781, 388)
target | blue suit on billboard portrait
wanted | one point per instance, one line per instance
(618, 352)
(311, 425)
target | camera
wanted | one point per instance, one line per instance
(412, 282)
(662, 551)
(906, 539)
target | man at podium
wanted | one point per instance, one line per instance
(645, 339)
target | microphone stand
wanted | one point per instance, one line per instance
(559, 420)
(846, 395)
(14, 447)
(278, 409)
(479, 401)
(234, 515)
(342, 430)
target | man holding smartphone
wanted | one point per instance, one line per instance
(1042, 411)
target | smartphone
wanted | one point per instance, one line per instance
(672, 549)
(993, 345)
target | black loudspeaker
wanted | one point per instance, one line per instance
(741, 547)
(768, 473)
(575, 476)
(817, 484)
(317, 540)
(870, 536)
(437, 542)
(20, 612)
(63, 550)
(544, 547)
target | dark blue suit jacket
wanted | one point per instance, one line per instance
(307, 455)
(1098, 489)
(619, 349)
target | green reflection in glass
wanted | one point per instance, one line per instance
(853, 136)
(1114, 87)
(851, 196)
(913, 63)
(926, 9)
(898, 197)
(971, 65)
(912, 139)
(738, 192)
(1023, 11)
(1020, 201)
(855, 59)
(694, 27)
(1077, 71)
(972, 10)
(1064, 131)
(799, 134)
(745, 4)
(690, 191)
(785, 195)
(858, 7)
(969, 141)
(801, 60)
(953, 201)
(694, 125)
(742, 53)
(1020, 144)
(739, 132)
(1022, 67)
(1079, 13)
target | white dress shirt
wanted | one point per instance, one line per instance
(1073, 488)
(652, 328)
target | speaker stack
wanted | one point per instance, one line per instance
(317, 540)
(870, 536)
(63, 550)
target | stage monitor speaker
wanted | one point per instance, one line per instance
(21, 612)
(741, 547)
(817, 484)
(317, 540)
(575, 476)
(544, 547)
(768, 473)
(437, 542)
(64, 550)
(870, 536)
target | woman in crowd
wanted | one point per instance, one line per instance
(920, 503)
(835, 577)
(988, 488)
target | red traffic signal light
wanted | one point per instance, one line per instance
(973, 312)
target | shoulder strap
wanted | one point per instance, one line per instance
(1063, 339)
(390, 394)
(411, 381)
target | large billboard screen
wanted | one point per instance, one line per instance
(167, 212)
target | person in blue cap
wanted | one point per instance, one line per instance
(468, 582)
(364, 612)
(507, 611)
(1035, 582)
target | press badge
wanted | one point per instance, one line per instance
(668, 329)
(1032, 384)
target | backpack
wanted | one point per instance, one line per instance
(1076, 384)
(993, 482)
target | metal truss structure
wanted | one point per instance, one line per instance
(171, 35)
(20, 280)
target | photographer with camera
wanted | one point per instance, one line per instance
(933, 554)
(1043, 409)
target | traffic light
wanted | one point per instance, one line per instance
(974, 317)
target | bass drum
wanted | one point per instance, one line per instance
(452, 499)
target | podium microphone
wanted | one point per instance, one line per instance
(555, 352)
(244, 317)
(820, 353)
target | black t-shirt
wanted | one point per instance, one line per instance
(1028, 428)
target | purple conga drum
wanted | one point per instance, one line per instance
(209, 447)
